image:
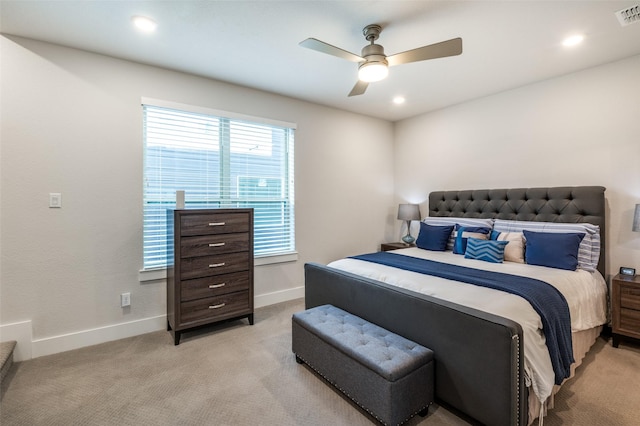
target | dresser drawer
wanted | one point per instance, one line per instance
(227, 305)
(214, 286)
(206, 266)
(205, 245)
(630, 297)
(214, 223)
(630, 321)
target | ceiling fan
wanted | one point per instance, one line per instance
(374, 63)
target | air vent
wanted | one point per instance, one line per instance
(628, 16)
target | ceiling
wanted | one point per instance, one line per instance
(506, 44)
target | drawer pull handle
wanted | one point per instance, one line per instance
(216, 265)
(216, 223)
(218, 306)
(217, 285)
(216, 244)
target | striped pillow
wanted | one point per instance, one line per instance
(452, 221)
(487, 250)
(589, 251)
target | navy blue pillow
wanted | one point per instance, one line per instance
(433, 237)
(464, 232)
(555, 250)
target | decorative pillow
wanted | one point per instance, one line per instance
(452, 221)
(555, 250)
(487, 250)
(433, 237)
(514, 251)
(462, 233)
(589, 252)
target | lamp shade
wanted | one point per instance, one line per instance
(408, 212)
(636, 219)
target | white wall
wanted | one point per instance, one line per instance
(578, 129)
(71, 123)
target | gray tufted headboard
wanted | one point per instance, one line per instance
(569, 204)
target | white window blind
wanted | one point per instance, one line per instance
(219, 162)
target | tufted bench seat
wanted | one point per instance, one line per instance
(385, 374)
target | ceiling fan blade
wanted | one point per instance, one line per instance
(443, 49)
(359, 88)
(321, 46)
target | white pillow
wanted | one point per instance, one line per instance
(514, 251)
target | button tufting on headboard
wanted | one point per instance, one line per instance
(556, 204)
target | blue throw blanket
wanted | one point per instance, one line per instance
(548, 302)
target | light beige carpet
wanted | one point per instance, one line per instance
(236, 374)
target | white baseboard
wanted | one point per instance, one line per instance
(21, 332)
(67, 342)
(278, 296)
(27, 348)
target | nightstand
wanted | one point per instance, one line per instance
(625, 307)
(394, 246)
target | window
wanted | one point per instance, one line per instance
(220, 161)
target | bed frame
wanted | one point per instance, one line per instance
(479, 356)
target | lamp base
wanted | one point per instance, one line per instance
(408, 239)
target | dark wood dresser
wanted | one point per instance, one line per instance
(625, 307)
(211, 275)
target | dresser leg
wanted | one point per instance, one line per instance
(250, 318)
(176, 338)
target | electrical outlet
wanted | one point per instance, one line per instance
(125, 299)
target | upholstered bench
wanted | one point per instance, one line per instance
(385, 374)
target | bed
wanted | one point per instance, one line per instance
(481, 367)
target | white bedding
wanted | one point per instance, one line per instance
(584, 291)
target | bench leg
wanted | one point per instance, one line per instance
(299, 360)
(424, 411)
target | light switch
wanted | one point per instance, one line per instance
(55, 200)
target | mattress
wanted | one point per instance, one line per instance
(585, 292)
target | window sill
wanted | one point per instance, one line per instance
(276, 258)
(147, 275)
(158, 274)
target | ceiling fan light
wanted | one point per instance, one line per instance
(373, 71)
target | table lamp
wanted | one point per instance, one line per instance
(408, 212)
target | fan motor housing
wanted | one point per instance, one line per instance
(374, 53)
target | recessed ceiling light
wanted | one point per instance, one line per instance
(144, 24)
(398, 100)
(573, 40)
